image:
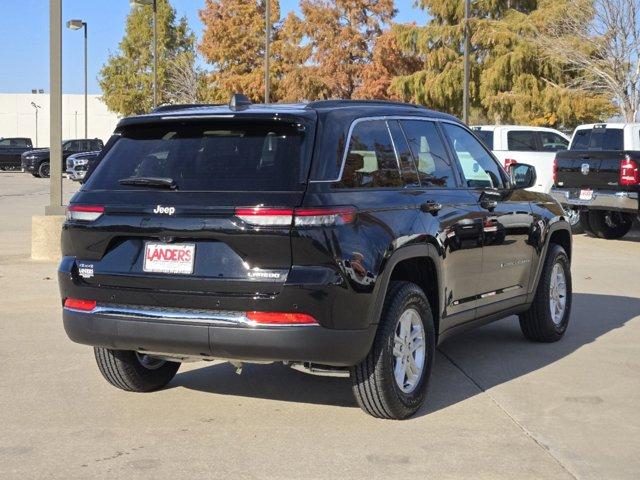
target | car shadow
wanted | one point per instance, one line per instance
(465, 365)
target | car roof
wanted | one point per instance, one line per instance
(607, 125)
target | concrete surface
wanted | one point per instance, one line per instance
(499, 406)
(45, 237)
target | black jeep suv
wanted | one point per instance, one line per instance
(338, 237)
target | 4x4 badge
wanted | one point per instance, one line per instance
(585, 169)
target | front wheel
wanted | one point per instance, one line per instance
(391, 382)
(43, 170)
(548, 317)
(609, 224)
(133, 371)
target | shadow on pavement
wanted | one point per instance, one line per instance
(491, 355)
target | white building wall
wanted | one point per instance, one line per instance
(18, 118)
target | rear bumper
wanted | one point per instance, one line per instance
(601, 200)
(207, 337)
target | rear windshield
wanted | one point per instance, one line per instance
(486, 136)
(598, 139)
(219, 156)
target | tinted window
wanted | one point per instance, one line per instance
(20, 142)
(371, 161)
(95, 145)
(429, 153)
(552, 142)
(486, 136)
(598, 139)
(407, 165)
(478, 167)
(521, 140)
(229, 156)
(5, 142)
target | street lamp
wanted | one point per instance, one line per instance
(465, 92)
(267, 41)
(36, 107)
(154, 3)
(77, 25)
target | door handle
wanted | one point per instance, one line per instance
(431, 207)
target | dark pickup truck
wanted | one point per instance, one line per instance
(598, 178)
(10, 151)
(37, 161)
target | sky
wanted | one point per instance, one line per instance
(24, 37)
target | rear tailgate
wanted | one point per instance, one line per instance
(589, 169)
(191, 238)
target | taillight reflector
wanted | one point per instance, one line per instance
(76, 304)
(555, 170)
(279, 318)
(629, 173)
(84, 213)
(300, 217)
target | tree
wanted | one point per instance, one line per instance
(603, 37)
(126, 79)
(233, 43)
(183, 79)
(511, 80)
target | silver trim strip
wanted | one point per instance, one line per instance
(216, 318)
(384, 118)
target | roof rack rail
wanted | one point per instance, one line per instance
(345, 103)
(181, 106)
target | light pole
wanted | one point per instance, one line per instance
(465, 93)
(267, 41)
(154, 3)
(77, 25)
(36, 107)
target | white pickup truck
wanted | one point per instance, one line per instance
(535, 146)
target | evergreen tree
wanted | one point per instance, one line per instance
(126, 79)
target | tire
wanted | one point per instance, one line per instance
(538, 324)
(584, 223)
(43, 170)
(35, 174)
(609, 224)
(574, 216)
(126, 370)
(374, 380)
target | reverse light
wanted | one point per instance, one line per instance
(300, 217)
(77, 304)
(279, 318)
(629, 172)
(84, 213)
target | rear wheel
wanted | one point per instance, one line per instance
(391, 382)
(134, 372)
(548, 317)
(43, 170)
(609, 224)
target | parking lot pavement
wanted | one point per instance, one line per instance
(499, 407)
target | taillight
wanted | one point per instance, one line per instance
(300, 217)
(555, 170)
(508, 162)
(84, 213)
(629, 173)
(83, 305)
(278, 318)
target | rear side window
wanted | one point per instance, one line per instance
(598, 139)
(552, 142)
(486, 137)
(521, 141)
(371, 161)
(217, 156)
(429, 153)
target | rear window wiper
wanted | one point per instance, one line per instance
(160, 182)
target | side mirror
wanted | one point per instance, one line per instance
(522, 176)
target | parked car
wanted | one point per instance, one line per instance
(243, 232)
(77, 165)
(535, 146)
(598, 178)
(37, 161)
(10, 151)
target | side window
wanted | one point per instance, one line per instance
(429, 154)
(479, 169)
(521, 141)
(5, 142)
(407, 165)
(95, 145)
(371, 160)
(552, 142)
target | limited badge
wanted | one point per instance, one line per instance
(85, 270)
